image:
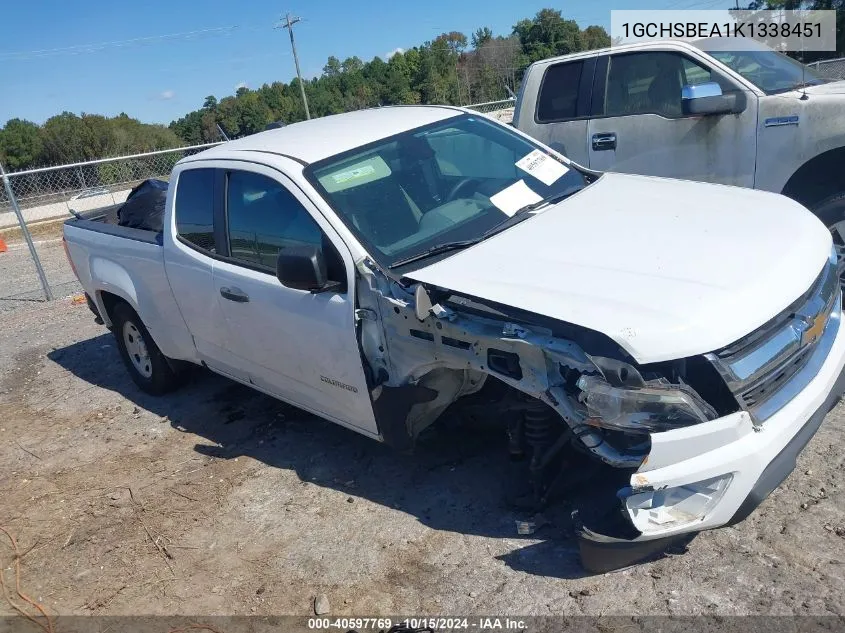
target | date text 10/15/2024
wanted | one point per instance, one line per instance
(444, 624)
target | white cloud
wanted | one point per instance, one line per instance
(390, 54)
(166, 95)
(242, 84)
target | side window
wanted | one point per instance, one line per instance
(694, 73)
(645, 83)
(558, 98)
(194, 208)
(263, 218)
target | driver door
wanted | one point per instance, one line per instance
(640, 128)
(295, 344)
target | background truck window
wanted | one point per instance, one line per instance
(194, 208)
(263, 218)
(650, 83)
(559, 93)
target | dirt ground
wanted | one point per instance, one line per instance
(217, 500)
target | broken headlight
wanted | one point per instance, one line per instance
(656, 405)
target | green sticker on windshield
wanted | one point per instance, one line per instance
(355, 174)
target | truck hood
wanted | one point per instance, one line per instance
(832, 88)
(666, 268)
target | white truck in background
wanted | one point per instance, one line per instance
(379, 266)
(696, 111)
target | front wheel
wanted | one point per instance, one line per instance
(147, 366)
(831, 211)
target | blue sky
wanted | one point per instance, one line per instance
(105, 57)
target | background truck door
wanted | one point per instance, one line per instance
(638, 127)
(559, 118)
(295, 344)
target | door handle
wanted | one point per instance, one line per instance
(604, 141)
(234, 294)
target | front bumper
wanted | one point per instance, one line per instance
(758, 458)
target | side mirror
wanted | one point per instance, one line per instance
(706, 99)
(303, 268)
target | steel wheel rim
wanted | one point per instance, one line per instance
(136, 348)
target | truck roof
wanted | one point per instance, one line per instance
(316, 139)
(622, 48)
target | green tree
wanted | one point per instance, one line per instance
(21, 146)
(481, 37)
(352, 64)
(594, 37)
(455, 40)
(547, 35)
(332, 67)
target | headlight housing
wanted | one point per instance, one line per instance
(655, 406)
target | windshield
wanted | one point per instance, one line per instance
(769, 70)
(442, 183)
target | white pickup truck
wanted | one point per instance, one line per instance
(377, 266)
(697, 111)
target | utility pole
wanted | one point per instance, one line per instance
(288, 24)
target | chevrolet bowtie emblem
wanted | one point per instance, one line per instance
(814, 328)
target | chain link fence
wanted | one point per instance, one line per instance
(51, 193)
(501, 110)
(830, 68)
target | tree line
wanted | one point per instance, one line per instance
(452, 69)
(68, 138)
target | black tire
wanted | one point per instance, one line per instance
(152, 372)
(831, 211)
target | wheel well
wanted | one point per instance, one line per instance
(109, 301)
(817, 179)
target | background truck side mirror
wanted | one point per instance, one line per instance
(303, 268)
(706, 99)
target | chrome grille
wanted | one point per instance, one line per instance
(760, 365)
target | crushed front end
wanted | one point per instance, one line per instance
(695, 443)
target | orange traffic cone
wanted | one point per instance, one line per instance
(3, 247)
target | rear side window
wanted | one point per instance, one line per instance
(559, 92)
(195, 208)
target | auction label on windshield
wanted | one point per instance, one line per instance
(512, 199)
(542, 166)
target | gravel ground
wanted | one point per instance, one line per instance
(19, 283)
(217, 500)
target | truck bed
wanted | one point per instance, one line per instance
(104, 220)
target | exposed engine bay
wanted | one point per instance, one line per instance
(558, 388)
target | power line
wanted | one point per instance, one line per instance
(92, 48)
(289, 22)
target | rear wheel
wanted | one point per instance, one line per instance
(831, 211)
(148, 367)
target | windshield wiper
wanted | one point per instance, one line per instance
(435, 250)
(518, 216)
(522, 213)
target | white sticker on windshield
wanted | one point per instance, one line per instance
(512, 199)
(352, 174)
(542, 166)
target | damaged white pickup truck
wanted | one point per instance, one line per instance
(376, 267)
